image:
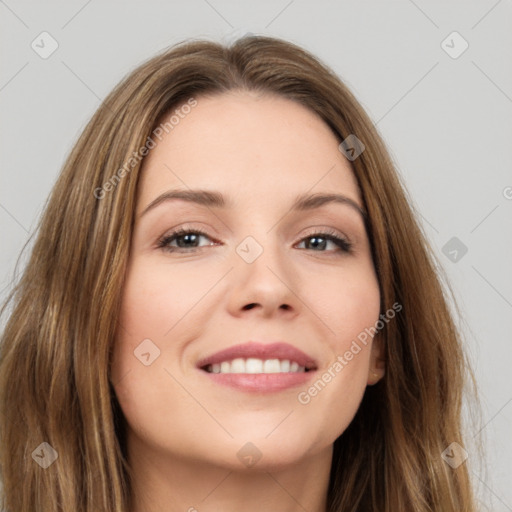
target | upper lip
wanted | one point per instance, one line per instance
(276, 350)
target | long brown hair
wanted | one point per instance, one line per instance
(56, 347)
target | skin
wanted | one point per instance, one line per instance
(183, 431)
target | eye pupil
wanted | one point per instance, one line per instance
(316, 238)
(186, 237)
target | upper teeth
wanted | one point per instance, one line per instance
(252, 365)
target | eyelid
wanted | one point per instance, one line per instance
(327, 230)
(208, 230)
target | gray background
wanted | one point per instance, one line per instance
(447, 122)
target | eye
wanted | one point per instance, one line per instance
(320, 240)
(185, 239)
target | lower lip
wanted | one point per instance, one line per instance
(261, 382)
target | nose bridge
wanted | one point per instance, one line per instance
(262, 274)
(260, 245)
(258, 234)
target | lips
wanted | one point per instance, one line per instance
(253, 349)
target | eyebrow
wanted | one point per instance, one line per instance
(209, 198)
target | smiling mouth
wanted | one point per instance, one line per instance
(252, 365)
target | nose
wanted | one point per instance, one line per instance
(266, 286)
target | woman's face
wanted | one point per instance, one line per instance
(263, 272)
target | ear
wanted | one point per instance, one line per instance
(377, 367)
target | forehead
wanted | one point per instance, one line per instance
(255, 147)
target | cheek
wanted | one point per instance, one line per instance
(348, 304)
(151, 305)
(347, 301)
(156, 298)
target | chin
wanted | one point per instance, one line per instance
(256, 452)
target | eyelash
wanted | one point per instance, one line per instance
(343, 244)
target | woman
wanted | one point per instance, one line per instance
(230, 305)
